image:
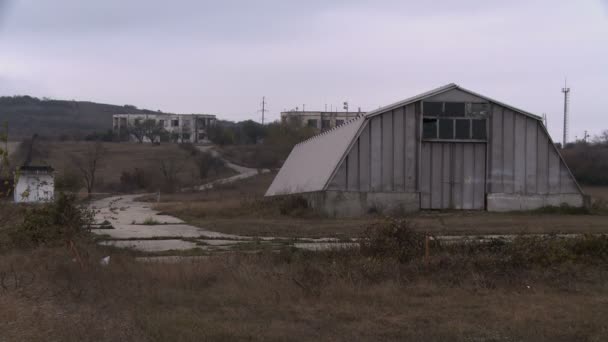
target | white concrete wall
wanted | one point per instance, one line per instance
(34, 188)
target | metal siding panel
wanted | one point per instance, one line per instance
(496, 150)
(446, 168)
(554, 171)
(376, 153)
(339, 180)
(387, 152)
(411, 148)
(567, 183)
(398, 150)
(468, 177)
(531, 155)
(436, 175)
(542, 175)
(519, 179)
(458, 177)
(508, 166)
(353, 168)
(425, 176)
(479, 176)
(364, 159)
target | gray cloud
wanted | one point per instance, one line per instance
(221, 57)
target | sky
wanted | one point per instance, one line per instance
(222, 57)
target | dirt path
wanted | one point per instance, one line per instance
(242, 171)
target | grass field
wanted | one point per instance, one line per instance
(295, 296)
(240, 209)
(121, 157)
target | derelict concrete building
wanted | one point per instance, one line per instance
(449, 148)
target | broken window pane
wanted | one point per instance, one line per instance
(480, 109)
(463, 129)
(479, 129)
(454, 109)
(429, 128)
(446, 129)
(312, 123)
(324, 124)
(433, 108)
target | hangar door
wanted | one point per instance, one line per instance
(453, 175)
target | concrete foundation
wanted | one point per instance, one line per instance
(354, 204)
(510, 202)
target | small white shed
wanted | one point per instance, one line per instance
(34, 184)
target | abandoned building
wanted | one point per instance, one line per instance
(320, 120)
(179, 127)
(34, 184)
(449, 148)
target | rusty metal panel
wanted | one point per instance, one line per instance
(376, 153)
(398, 150)
(387, 151)
(531, 155)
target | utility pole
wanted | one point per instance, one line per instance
(263, 108)
(566, 92)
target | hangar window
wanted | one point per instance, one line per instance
(446, 129)
(479, 129)
(454, 121)
(429, 128)
(463, 129)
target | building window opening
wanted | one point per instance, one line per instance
(463, 129)
(312, 123)
(174, 123)
(339, 122)
(325, 124)
(429, 128)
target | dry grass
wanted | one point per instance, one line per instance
(293, 296)
(240, 209)
(124, 157)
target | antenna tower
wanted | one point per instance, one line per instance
(566, 92)
(263, 110)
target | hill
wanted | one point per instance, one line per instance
(27, 115)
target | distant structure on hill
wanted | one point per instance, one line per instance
(180, 127)
(318, 119)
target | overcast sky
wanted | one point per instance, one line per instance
(221, 57)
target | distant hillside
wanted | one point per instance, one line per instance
(27, 115)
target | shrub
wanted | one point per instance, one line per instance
(61, 220)
(392, 238)
(207, 163)
(134, 180)
(293, 205)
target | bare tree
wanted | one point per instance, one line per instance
(170, 167)
(88, 164)
(149, 128)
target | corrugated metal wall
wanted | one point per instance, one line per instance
(522, 159)
(453, 175)
(383, 158)
(519, 159)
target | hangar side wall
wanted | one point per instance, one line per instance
(384, 156)
(525, 170)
